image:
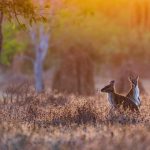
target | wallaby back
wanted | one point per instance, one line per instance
(126, 103)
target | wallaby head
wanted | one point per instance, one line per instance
(109, 88)
(134, 80)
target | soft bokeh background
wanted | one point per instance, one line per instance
(85, 43)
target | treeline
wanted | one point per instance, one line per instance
(109, 31)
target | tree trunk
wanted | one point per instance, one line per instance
(38, 71)
(1, 34)
(40, 39)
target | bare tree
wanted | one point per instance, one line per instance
(40, 35)
(40, 40)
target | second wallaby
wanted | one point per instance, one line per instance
(117, 101)
(134, 93)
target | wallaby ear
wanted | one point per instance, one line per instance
(137, 77)
(112, 82)
(130, 78)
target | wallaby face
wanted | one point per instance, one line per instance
(109, 88)
(134, 80)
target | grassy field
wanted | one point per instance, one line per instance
(67, 45)
(56, 121)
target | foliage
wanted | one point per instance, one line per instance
(18, 11)
(86, 26)
(16, 8)
(12, 44)
(107, 26)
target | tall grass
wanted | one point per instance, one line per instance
(57, 121)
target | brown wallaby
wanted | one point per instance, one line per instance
(117, 101)
(134, 93)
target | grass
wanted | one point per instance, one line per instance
(56, 121)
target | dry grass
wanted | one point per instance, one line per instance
(56, 121)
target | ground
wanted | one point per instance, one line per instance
(52, 121)
(60, 122)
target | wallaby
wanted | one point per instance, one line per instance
(134, 93)
(116, 100)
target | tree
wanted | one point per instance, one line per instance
(40, 36)
(17, 10)
(40, 41)
(13, 9)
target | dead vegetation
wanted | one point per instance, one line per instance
(57, 121)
